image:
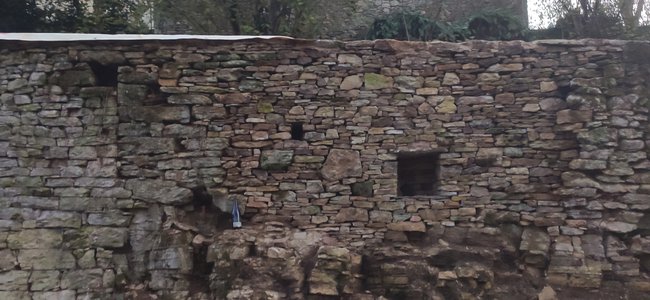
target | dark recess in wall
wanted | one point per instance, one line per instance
(417, 174)
(297, 132)
(106, 75)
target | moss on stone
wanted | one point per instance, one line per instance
(264, 107)
(374, 81)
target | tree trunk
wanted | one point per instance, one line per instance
(233, 16)
(631, 15)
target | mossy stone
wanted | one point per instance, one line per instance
(374, 81)
(264, 107)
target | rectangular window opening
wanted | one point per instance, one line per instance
(297, 132)
(418, 174)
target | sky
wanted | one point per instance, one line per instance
(533, 15)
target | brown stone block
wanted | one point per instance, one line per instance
(407, 226)
(574, 116)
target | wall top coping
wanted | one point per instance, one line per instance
(27, 40)
(60, 37)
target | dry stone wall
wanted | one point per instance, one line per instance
(120, 163)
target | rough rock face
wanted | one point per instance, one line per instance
(119, 165)
(341, 164)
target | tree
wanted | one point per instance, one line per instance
(19, 15)
(300, 18)
(106, 16)
(632, 12)
(116, 16)
(596, 18)
(61, 16)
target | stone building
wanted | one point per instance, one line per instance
(498, 170)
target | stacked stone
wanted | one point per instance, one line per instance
(61, 197)
(119, 164)
(604, 186)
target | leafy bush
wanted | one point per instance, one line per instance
(496, 25)
(404, 26)
(493, 25)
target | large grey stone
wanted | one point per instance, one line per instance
(351, 82)
(20, 295)
(59, 295)
(44, 280)
(84, 280)
(53, 218)
(574, 116)
(16, 84)
(82, 76)
(276, 159)
(45, 259)
(588, 164)
(552, 104)
(131, 95)
(189, 99)
(506, 68)
(184, 131)
(157, 114)
(331, 272)
(209, 112)
(351, 214)
(578, 179)
(165, 192)
(146, 145)
(14, 280)
(535, 243)
(106, 237)
(114, 218)
(341, 164)
(35, 238)
(172, 259)
(106, 57)
(407, 226)
(617, 226)
(351, 59)
(7, 260)
(597, 136)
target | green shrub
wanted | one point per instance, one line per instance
(404, 26)
(491, 25)
(496, 25)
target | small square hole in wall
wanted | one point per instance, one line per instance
(106, 75)
(297, 132)
(417, 173)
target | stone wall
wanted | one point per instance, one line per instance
(120, 163)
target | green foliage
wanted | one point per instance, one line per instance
(18, 15)
(410, 26)
(298, 18)
(108, 16)
(61, 16)
(490, 25)
(496, 25)
(404, 26)
(115, 16)
(625, 19)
